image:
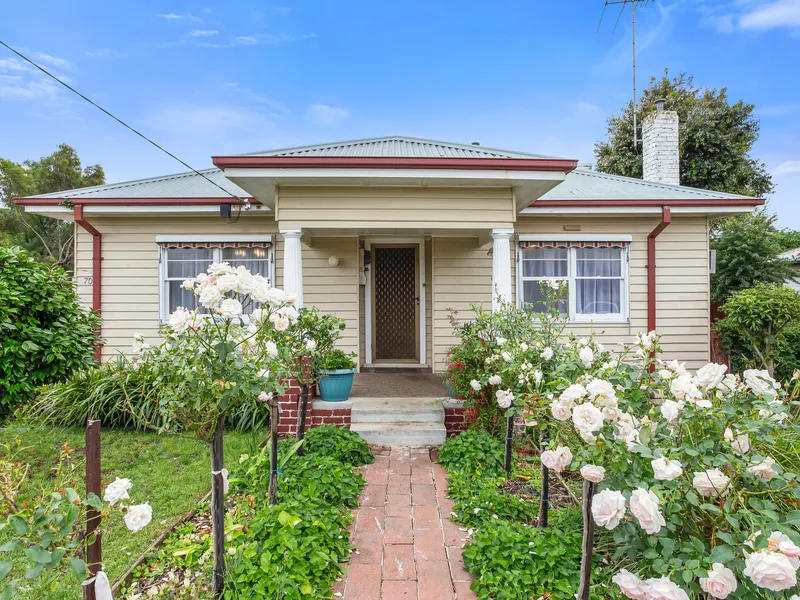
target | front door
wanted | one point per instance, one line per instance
(396, 304)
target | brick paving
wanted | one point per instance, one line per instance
(406, 546)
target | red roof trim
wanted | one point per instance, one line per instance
(648, 202)
(394, 162)
(129, 201)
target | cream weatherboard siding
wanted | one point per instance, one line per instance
(682, 280)
(394, 208)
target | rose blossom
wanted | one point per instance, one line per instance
(587, 356)
(770, 570)
(741, 445)
(118, 490)
(276, 297)
(720, 581)
(210, 297)
(138, 517)
(663, 589)
(265, 397)
(710, 376)
(495, 380)
(179, 320)
(763, 470)
(760, 383)
(671, 410)
(630, 585)
(475, 385)
(227, 282)
(230, 308)
(504, 398)
(547, 353)
(602, 392)
(562, 411)
(506, 356)
(573, 393)
(587, 417)
(684, 388)
(280, 322)
(608, 508)
(593, 473)
(557, 459)
(644, 506)
(665, 469)
(711, 483)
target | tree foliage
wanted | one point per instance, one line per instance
(715, 138)
(747, 249)
(44, 332)
(787, 239)
(47, 238)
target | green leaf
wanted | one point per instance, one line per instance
(72, 495)
(793, 518)
(19, 525)
(306, 589)
(8, 593)
(78, 567)
(722, 554)
(5, 568)
(285, 518)
(38, 554)
(11, 546)
(34, 572)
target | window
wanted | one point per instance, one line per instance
(595, 273)
(182, 260)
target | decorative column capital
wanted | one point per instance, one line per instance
(502, 234)
(294, 234)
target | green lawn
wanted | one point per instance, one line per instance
(170, 472)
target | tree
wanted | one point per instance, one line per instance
(747, 247)
(48, 238)
(788, 239)
(715, 138)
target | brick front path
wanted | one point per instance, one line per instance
(407, 547)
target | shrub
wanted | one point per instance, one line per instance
(487, 502)
(473, 452)
(516, 562)
(321, 478)
(334, 360)
(45, 334)
(338, 443)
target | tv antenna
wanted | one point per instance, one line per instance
(623, 4)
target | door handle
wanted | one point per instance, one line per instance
(416, 299)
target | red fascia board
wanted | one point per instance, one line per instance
(129, 201)
(648, 202)
(392, 162)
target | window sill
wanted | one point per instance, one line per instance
(599, 321)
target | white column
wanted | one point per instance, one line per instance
(293, 264)
(501, 266)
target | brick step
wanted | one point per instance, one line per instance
(413, 434)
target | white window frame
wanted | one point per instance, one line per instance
(163, 296)
(571, 278)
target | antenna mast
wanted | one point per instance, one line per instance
(623, 3)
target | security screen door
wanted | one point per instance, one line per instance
(396, 303)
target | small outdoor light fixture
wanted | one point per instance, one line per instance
(333, 261)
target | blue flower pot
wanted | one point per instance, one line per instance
(334, 386)
(450, 391)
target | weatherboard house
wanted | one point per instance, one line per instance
(393, 233)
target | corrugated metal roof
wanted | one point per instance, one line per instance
(791, 255)
(581, 184)
(397, 145)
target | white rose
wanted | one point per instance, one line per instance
(475, 385)
(630, 585)
(663, 589)
(547, 353)
(138, 517)
(771, 570)
(188, 285)
(265, 397)
(711, 483)
(573, 393)
(720, 581)
(219, 268)
(645, 507)
(246, 283)
(504, 398)
(311, 345)
(671, 410)
(289, 311)
(587, 356)
(179, 320)
(271, 349)
(506, 356)
(602, 392)
(676, 367)
(760, 383)
(710, 376)
(280, 322)
(210, 297)
(557, 459)
(587, 417)
(495, 380)
(763, 470)
(227, 282)
(523, 346)
(260, 293)
(665, 469)
(230, 308)
(118, 490)
(684, 388)
(741, 445)
(608, 508)
(665, 374)
(276, 297)
(627, 430)
(537, 377)
(644, 340)
(593, 473)
(562, 411)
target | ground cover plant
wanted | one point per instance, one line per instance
(166, 472)
(291, 550)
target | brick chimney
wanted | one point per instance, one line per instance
(660, 146)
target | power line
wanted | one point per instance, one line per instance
(124, 124)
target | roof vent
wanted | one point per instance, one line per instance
(476, 143)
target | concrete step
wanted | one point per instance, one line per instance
(393, 410)
(415, 435)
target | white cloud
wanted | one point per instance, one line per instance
(105, 53)
(777, 109)
(170, 17)
(245, 40)
(13, 64)
(177, 17)
(54, 60)
(15, 87)
(326, 115)
(203, 32)
(787, 167)
(781, 13)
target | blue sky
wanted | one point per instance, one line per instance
(205, 78)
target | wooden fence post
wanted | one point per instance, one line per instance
(589, 489)
(509, 440)
(301, 419)
(94, 554)
(544, 499)
(273, 454)
(218, 507)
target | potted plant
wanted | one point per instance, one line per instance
(336, 371)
